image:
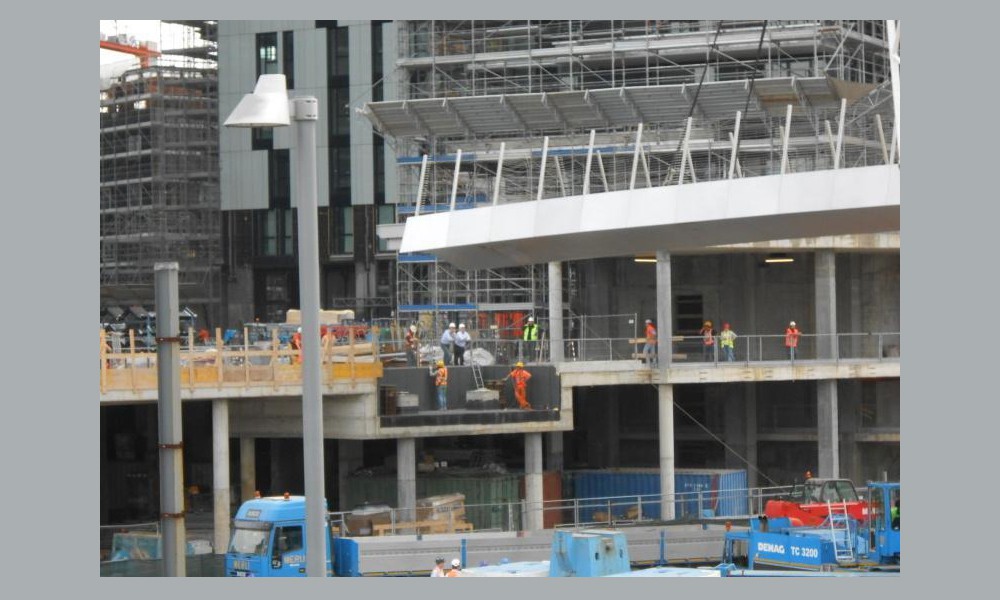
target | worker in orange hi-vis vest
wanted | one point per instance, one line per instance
(297, 344)
(649, 350)
(708, 342)
(792, 339)
(441, 381)
(521, 378)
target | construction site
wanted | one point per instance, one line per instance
(159, 175)
(595, 177)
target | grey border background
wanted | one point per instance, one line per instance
(51, 429)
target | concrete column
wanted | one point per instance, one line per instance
(350, 457)
(554, 451)
(533, 481)
(826, 305)
(827, 436)
(220, 474)
(556, 345)
(406, 478)
(664, 314)
(751, 435)
(826, 348)
(171, 436)
(248, 468)
(666, 409)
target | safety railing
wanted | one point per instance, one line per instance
(205, 364)
(780, 348)
(612, 511)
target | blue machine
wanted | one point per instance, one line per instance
(269, 539)
(841, 542)
(588, 553)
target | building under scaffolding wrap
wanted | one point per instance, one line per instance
(160, 182)
(485, 97)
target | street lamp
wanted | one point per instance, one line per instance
(269, 106)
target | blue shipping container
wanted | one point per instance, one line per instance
(718, 492)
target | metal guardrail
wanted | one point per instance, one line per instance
(735, 504)
(206, 365)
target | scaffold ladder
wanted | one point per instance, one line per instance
(840, 522)
(477, 374)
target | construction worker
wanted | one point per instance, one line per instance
(521, 378)
(412, 343)
(529, 335)
(707, 342)
(649, 350)
(727, 340)
(462, 340)
(438, 568)
(441, 381)
(456, 568)
(297, 344)
(448, 342)
(792, 339)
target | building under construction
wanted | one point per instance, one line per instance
(159, 176)
(422, 117)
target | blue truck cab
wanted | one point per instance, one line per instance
(269, 539)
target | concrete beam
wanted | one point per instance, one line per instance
(597, 373)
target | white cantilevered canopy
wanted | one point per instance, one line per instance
(674, 218)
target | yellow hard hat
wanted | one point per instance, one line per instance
(519, 364)
(440, 363)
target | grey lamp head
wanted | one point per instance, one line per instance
(267, 106)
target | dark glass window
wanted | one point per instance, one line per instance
(339, 132)
(267, 53)
(279, 184)
(288, 58)
(262, 138)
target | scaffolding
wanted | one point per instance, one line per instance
(479, 97)
(159, 183)
(462, 58)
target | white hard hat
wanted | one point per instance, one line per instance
(413, 328)
(299, 330)
(649, 320)
(461, 325)
(792, 323)
(456, 563)
(451, 324)
(531, 319)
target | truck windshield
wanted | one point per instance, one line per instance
(250, 541)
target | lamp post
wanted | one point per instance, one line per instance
(269, 106)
